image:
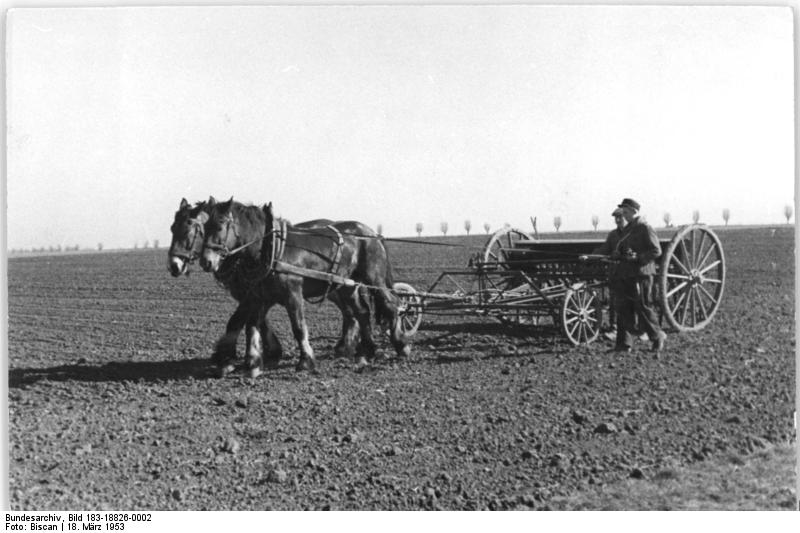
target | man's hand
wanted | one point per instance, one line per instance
(630, 255)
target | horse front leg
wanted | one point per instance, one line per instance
(345, 346)
(366, 348)
(294, 307)
(253, 360)
(225, 350)
(274, 350)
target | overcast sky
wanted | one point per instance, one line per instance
(395, 115)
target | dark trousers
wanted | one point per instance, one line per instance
(633, 300)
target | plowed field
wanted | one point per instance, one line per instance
(112, 406)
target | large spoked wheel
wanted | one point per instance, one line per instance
(409, 309)
(581, 315)
(496, 251)
(501, 241)
(692, 278)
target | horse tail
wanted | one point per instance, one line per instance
(389, 276)
(384, 295)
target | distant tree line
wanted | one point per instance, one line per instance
(788, 213)
(75, 248)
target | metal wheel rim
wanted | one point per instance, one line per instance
(410, 316)
(692, 278)
(502, 239)
(581, 316)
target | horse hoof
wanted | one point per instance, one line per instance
(361, 365)
(225, 370)
(255, 372)
(404, 352)
(310, 368)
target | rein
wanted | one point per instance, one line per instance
(240, 248)
(312, 231)
(428, 243)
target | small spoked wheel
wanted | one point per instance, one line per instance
(692, 278)
(581, 315)
(409, 308)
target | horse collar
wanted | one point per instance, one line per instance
(277, 244)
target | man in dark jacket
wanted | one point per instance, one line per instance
(637, 250)
(609, 248)
(610, 244)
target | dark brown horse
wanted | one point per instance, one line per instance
(350, 251)
(187, 236)
(186, 246)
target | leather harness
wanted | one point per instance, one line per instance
(275, 264)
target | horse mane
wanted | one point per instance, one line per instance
(249, 218)
(249, 214)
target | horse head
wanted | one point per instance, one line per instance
(221, 235)
(187, 236)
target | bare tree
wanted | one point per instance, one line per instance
(696, 216)
(443, 227)
(486, 227)
(788, 212)
(557, 222)
(467, 226)
(146, 244)
(155, 243)
(418, 229)
(726, 215)
(99, 246)
(667, 220)
(595, 221)
(379, 228)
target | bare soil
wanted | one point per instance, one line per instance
(112, 405)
